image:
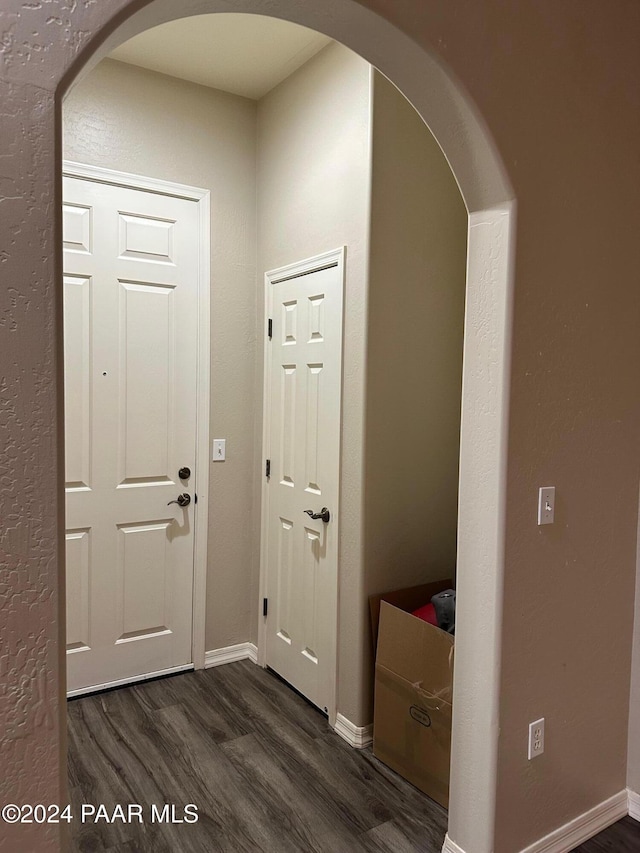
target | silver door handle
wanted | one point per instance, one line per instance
(324, 514)
(183, 500)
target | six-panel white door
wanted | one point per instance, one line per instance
(130, 331)
(303, 446)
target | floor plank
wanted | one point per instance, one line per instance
(261, 765)
(622, 837)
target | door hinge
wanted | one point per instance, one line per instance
(265, 606)
(270, 328)
(267, 468)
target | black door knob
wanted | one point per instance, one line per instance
(184, 473)
(183, 500)
(324, 514)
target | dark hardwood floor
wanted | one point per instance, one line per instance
(622, 837)
(260, 764)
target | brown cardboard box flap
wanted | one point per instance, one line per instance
(404, 599)
(416, 651)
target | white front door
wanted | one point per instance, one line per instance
(130, 315)
(302, 439)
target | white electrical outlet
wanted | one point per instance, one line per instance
(536, 738)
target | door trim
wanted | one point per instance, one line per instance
(334, 257)
(202, 198)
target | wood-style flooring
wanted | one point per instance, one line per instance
(622, 837)
(261, 765)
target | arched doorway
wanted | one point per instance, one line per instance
(490, 205)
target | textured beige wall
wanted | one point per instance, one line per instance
(557, 85)
(575, 409)
(313, 195)
(126, 118)
(414, 354)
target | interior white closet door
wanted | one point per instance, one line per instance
(303, 440)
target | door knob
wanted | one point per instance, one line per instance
(183, 500)
(324, 514)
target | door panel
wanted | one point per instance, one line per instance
(314, 411)
(131, 301)
(78, 548)
(77, 228)
(144, 579)
(147, 375)
(303, 441)
(77, 380)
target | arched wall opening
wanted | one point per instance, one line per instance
(489, 200)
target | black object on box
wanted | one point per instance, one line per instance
(444, 604)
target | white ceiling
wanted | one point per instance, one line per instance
(244, 54)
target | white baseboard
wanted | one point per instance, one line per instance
(578, 830)
(229, 654)
(633, 804)
(450, 846)
(359, 737)
(583, 827)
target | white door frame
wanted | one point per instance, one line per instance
(202, 198)
(309, 265)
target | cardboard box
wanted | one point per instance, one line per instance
(413, 691)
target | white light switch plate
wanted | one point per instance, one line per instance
(546, 504)
(219, 449)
